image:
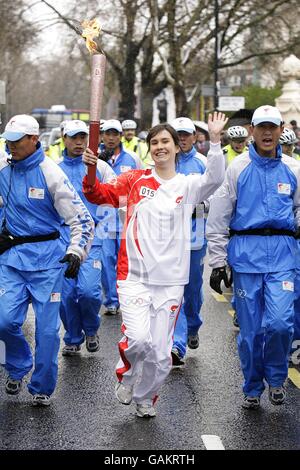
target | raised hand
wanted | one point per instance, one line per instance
(216, 123)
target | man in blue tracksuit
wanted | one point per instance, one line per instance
(295, 347)
(81, 297)
(260, 203)
(36, 195)
(189, 319)
(120, 161)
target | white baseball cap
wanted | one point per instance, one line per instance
(183, 124)
(129, 124)
(74, 127)
(201, 125)
(19, 126)
(266, 114)
(112, 124)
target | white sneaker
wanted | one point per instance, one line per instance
(145, 410)
(71, 350)
(124, 393)
(41, 400)
(92, 343)
(111, 310)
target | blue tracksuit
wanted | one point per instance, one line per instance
(296, 336)
(81, 298)
(112, 227)
(189, 318)
(36, 195)
(259, 192)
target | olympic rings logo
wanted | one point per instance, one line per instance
(241, 293)
(134, 301)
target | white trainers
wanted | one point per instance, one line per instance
(111, 310)
(251, 403)
(71, 349)
(145, 410)
(92, 343)
(277, 395)
(124, 393)
(41, 400)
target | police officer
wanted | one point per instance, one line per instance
(257, 202)
(288, 141)
(131, 141)
(81, 298)
(237, 137)
(36, 195)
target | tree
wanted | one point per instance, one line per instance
(154, 43)
(16, 36)
(256, 96)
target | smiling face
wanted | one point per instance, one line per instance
(266, 136)
(163, 149)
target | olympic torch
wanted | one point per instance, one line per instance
(91, 30)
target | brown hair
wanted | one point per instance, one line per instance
(163, 127)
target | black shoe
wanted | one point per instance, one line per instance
(277, 395)
(92, 343)
(251, 403)
(235, 320)
(177, 361)
(13, 387)
(193, 341)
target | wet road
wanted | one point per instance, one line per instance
(202, 398)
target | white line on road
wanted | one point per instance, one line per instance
(212, 442)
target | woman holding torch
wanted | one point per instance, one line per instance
(153, 263)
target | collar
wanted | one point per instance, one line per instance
(31, 161)
(265, 161)
(71, 160)
(185, 156)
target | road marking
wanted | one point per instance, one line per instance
(212, 442)
(294, 376)
(219, 297)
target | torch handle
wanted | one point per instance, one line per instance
(97, 87)
(93, 145)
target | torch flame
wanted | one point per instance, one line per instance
(90, 30)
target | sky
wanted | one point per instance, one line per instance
(50, 38)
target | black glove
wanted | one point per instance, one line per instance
(106, 155)
(218, 275)
(74, 265)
